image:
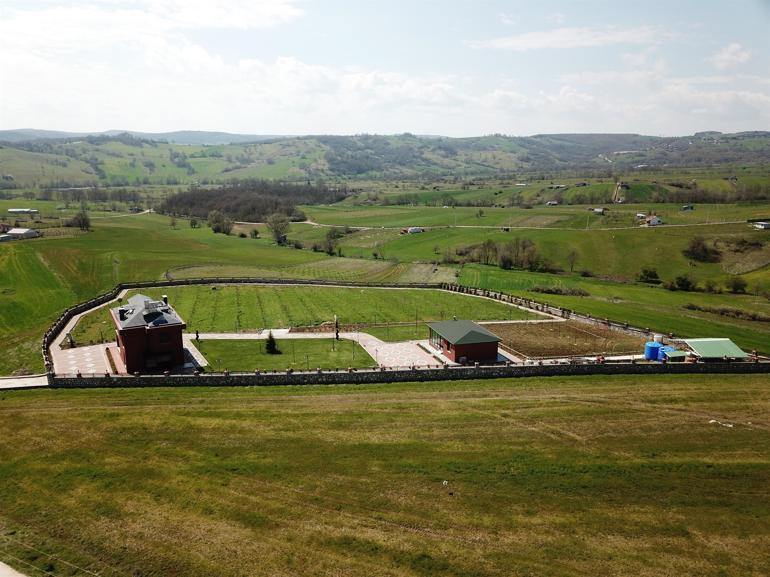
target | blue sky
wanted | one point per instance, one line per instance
(458, 68)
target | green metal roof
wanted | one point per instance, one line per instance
(675, 354)
(715, 348)
(463, 332)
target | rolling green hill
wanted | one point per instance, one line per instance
(134, 159)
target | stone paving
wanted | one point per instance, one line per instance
(92, 359)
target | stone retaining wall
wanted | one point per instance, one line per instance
(361, 377)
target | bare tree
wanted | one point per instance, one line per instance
(572, 258)
(278, 225)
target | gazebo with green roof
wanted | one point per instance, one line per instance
(463, 341)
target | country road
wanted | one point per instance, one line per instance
(501, 226)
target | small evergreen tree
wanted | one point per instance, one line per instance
(271, 347)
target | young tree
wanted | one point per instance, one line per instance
(278, 225)
(271, 347)
(172, 222)
(194, 223)
(572, 258)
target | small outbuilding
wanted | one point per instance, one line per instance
(715, 349)
(19, 233)
(5, 237)
(653, 220)
(23, 210)
(148, 334)
(762, 225)
(463, 341)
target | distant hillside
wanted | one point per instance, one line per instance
(139, 158)
(176, 137)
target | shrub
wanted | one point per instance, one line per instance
(736, 285)
(698, 250)
(648, 275)
(560, 290)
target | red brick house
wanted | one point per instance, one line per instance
(148, 334)
(463, 341)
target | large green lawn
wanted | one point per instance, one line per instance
(298, 354)
(237, 308)
(548, 477)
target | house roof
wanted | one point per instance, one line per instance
(19, 231)
(463, 332)
(142, 311)
(715, 348)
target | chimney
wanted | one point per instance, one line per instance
(165, 299)
(122, 313)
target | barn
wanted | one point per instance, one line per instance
(148, 334)
(463, 341)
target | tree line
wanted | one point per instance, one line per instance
(250, 201)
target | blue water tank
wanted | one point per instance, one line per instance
(663, 350)
(651, 350)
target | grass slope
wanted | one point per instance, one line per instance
(549, 477)
(639, 305)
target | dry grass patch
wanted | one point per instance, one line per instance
(570, 338)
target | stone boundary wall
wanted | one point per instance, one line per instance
(361, 377)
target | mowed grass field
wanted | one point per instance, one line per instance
(237, 308)
(547, 477)
(297, 354)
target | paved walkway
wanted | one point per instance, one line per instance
(25, 382)
(91, 359)
(6, 571)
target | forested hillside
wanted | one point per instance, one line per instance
(127, 159)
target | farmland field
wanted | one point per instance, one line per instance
(564, 339)
(236, 308)
(549, 477)
(298, 354)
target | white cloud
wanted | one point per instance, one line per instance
(556, 18)
(574, 38)
(508, 18)
(730, 56)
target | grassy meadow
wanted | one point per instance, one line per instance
(548, 477)
(239, 308)
(639, 305)
(298, 354)
(41, 277)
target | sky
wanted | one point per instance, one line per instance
(440, 67)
